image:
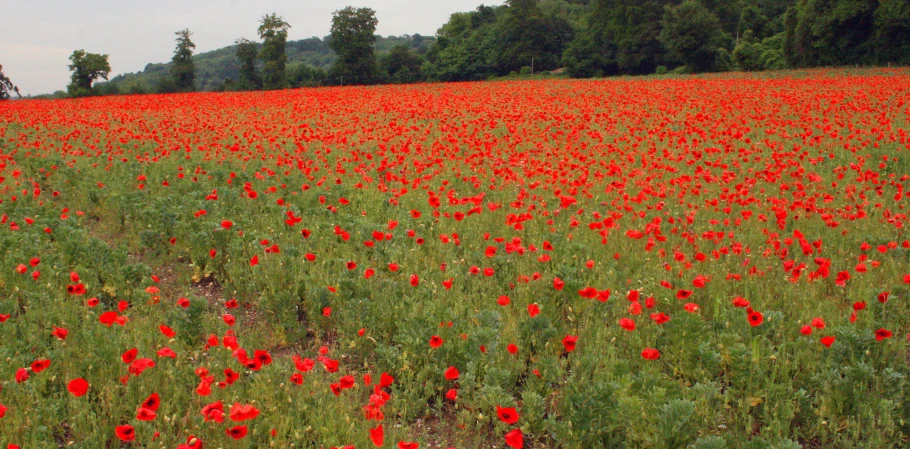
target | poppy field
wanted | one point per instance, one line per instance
(710, 262)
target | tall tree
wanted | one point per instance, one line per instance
(892, 34)
(592, 53)
(832, 32)
(183, 70)
(86, 68)
(465, 47)
(249, 75)
(692, 34)
(527, 36)
(353, 35)
(621, 36)
(7, 86)
(402, 65)
(274, 33)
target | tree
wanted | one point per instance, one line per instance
(353, 35)
(7, 86)
(86, 68)
(727, 12)
(465, 47)
(402, 65)
(752, 19)
(892, 34)
(274, 33)
(621, 36)
(183, 71)
(527, 36)
(832, 32)
(692, 34)
(246, 55)
(302, 75)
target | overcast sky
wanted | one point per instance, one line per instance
(37, 36)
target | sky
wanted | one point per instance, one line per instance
(37, 36)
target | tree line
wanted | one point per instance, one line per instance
(591, 38)
(583, 38)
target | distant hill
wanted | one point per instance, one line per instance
(216, 66)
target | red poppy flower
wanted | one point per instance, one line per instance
(627, 324)
(60, 333)
(569, 342)
(451, 373)
(588, 292)
(152, 402)
(243, 412)
(125, 432)
(755, 318)
(144, 414)
(558, 283)
(882, 334)
(515, 439)
(40, 365)
(377, 436)
(77, 387)
(385, 380)
(435, 341)
(507, 415)
(650, 354)
(827, 341)
(237, 432)
(129, 355)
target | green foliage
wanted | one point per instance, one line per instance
(753, 19)
(829, 32)
(402, 65)
(183, 70)
(6, 86)
(753, 55)
(274, 33)
(465, 47)
(622, 37)
(692, 35)
(86, 68)
(352, 40)
(249, 74)
(892, 32)
(303, 75)
(525, 36)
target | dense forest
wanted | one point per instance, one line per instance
(577, 38)
(626, 37)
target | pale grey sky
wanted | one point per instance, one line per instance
(37, 36)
